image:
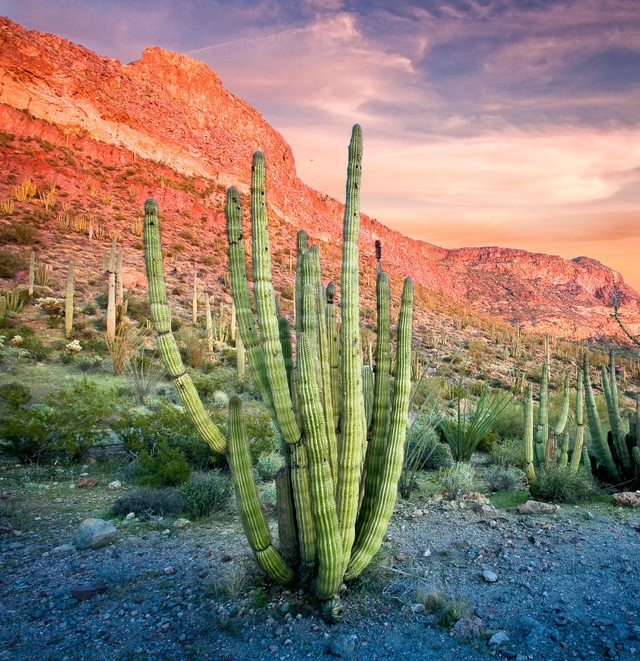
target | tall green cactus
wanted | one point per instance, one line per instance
(335, 494)
(68, 308)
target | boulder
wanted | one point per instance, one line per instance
(93, 533)
(534, 507)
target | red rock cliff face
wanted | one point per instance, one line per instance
(169, 116)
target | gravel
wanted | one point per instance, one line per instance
(551, 586)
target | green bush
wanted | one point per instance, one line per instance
(268, 465)
(166, 467)
(14, 395)
(510, 422)
(560, 485)
(509, 452)
(32, 342)
(207, 493)
(149, 502)
(142, 430)
(64, 426)
(460, 477)
(498, 478)
(11, 263)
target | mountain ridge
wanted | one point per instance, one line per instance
(195, 138)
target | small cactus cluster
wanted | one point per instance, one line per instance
(616, 456)
(342, 429)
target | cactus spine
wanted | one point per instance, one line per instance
(68, 308)
(320, 486)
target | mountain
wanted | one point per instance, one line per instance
(106, 136)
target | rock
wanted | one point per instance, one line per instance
(64, 547)
(534, 507)
(86, 482)
(627, 498)
(417, 513)
(181, 523)
(399, 557)
(116, 484)
(169, 570)
(427, 553)
(225, 558)
(87, 591)
(467, 628)
(130, 516)
(485, 509)
(489, 576)
(343, 645)
(418, 608)
(531, 632)
(588, 515)
(93, 533)
(498, 638)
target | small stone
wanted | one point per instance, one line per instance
(427, 553)
(64, 547)
(417, 513)
(203, 574)
(181, 523)
(467, 628)
(534, 507)
(493, 523)
(94, 533)
(91, 460)
(83, 592)
(588, 515)
(130, 516)
(84, 474)
(225, 558)
(116, 484)
(489, 576)
(86, 482)
(166, 531)
(169, 570)
(343, 646)
(498, 638)
(417, 608)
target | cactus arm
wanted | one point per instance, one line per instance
(333, 337)
(166, 341)
(542, 429)
(251, 514)
(302, 502)
(563, 457)
(385, 459)
(302, 249)
(367, 393)
(352, 439)
(287, 528)
(600, 445)
(287, 351)
(323, 507)
(611, 395)
(576, 455)
(635, 453)
(529, 470)
(266, 307)
(324, 357)
(564, 411)
(241, 300)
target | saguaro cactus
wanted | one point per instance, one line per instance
(68, 308)
(335, 495)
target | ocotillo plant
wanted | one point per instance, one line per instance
(335, 494)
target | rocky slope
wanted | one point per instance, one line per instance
(108, 135)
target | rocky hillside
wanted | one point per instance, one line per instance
(99, 137)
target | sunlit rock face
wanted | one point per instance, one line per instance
(165, 126)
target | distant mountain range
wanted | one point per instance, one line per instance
(109, 135)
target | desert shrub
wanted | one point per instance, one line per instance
(14, 395)
(65, 425)
(561, 485)
(193, 346)
(498, 478)
(460, 477)
(11, 263)
(32, 343)
(139, 307)
(20, 233)
(141, 431)
(447, 608)
(267, 465)
(206, 493)
(166, 467)
(510, 422)
(147, 502)
(509, 452)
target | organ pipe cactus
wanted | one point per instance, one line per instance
(336, 492)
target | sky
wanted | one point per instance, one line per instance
(486, 122)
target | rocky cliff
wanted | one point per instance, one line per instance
(106, 135)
